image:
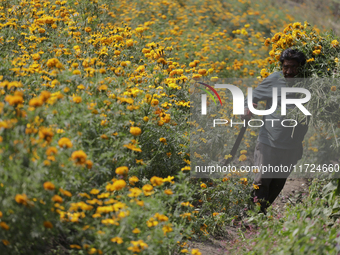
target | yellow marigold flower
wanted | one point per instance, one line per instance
(136, 131)
(255, 186)
(88, 29)
(243, 152)
(48, 224)
(215, 214)
(169, 179)
(162, 139)
(184, 251)
(196, 76)
(117, 240)
(129, 42)
(133, 180)
(147, 188)
(57, 199)
(0, 214)
(119, 184)
(79, 157)
(203, 185)
(102, 87)
(310, 60)
(136, 231)
(264, 73)
(65, 142)
(156, 181)
(21, 199)
(134, 192)
(335, 43)
(154, 102)
(76, 72)
(77, 99)
(244, 181)
(316, 52)
(196, 252)
(49, 186)
(167, 229)
(214, 79)
(242, 157)
(4, 225)
(122, 170)
(146, 119)
(94, 191)
(186, 168)
(152, 222)
(36, 56)
(168, 192)
(333, 88)
(75, 246)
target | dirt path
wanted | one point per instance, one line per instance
(293, 191)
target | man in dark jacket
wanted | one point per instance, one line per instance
(276, 145)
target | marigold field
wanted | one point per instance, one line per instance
(95, 118)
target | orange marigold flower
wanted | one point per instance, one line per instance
(21, 199)
(5, 242)
(156, 181)
(46, 134)
(14, 100)
(119, 184)
(65, 142)
(136, 131)
(122, 170)
(79, 157)
(49, 186)
(202, 71)
(333, 88)
(51, 151)
(147, 188)
(57, 199)
(65, 192)
(4, 225)
(36, 102)
(168, 192)
(48, 224)
(89, 164)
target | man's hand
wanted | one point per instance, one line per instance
(247, 113)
